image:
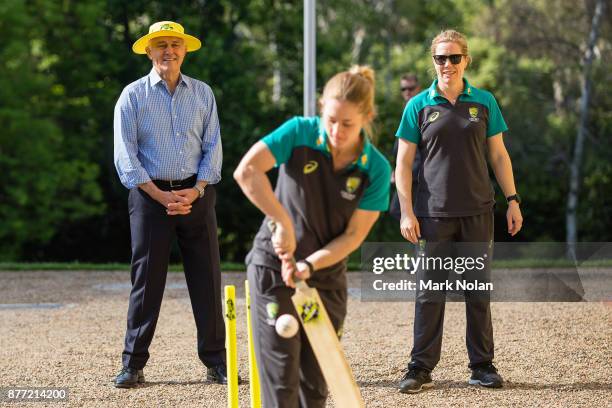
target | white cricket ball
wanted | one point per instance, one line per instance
(286, 326)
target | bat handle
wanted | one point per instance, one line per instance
(299, 283)
(272, 225)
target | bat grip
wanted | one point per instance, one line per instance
(299, 283)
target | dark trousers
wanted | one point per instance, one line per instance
(153, 232)
(288, 369)
(443, 236)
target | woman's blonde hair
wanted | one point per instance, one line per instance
(454, 37)
(356, 86)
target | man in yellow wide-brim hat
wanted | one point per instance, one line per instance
(168, 154)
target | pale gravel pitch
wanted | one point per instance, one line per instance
(551, 354)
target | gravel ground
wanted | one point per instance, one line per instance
(550, 354)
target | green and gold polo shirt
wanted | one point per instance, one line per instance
(319, 200)
(452, 139)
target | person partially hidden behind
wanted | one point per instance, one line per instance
(409, 87)
(168, 154)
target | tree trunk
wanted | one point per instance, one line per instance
(574, 181)
(389, 37)
(358, 37)
(277, 87)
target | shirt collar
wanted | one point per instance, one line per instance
(362, 161)
(155, 78)
(433, 89)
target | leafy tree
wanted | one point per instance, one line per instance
(65, 63)
(48, 183)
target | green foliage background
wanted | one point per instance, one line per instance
(64, 64)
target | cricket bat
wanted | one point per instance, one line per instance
(325, 344)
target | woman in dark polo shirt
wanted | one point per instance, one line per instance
(455, 127)
(332, 184)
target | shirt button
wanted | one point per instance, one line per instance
(178, 134)
(183, 170)
(181, 152)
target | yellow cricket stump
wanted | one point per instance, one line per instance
(230, 346)
(254, 374)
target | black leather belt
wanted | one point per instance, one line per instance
(168, 185)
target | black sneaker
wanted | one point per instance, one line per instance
(415, 380)
(129, 378)
(486, 375)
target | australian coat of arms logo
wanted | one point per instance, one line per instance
(474, 114)
(352, 184)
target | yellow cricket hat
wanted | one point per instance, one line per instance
(166, 29)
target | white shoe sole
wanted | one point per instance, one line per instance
(483, 384)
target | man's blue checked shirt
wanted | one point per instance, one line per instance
(159, 136)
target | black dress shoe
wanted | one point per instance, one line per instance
(218, 374)
(129, 378)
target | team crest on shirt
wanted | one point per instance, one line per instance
(433, 116)
(474, 114)
(352, 184)
(311, 166)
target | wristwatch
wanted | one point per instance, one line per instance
(200, 190)
(514, 197)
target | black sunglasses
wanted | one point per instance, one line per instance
(408, 88)
(454, 59)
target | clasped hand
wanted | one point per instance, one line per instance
(177, 202)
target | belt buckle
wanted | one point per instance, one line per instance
(173, 185)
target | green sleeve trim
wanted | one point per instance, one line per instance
(376, 196)
(496, 124)
(409, 127)
(298, 131)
